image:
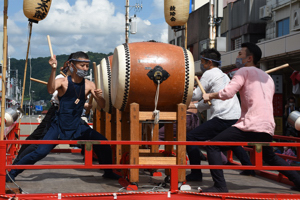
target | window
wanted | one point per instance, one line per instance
(283, 27)
(172, 42)
(237, 43)
(202, 45)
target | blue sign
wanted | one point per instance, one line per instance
(38, 108)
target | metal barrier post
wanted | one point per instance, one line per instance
(174, 179)
(2, 167)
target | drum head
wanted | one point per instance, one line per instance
(120, 83)
(105, 77)
(98, 85)
(134, 66)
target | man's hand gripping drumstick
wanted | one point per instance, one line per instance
(53, 64)
(202, 89)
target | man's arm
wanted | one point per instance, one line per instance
(210, 96)
(51, 82)
(97, 95)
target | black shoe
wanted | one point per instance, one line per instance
(248, 173)
(9, 178)
(111, 175)
(194, 177)
(214, 189)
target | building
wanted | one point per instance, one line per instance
(273, 24)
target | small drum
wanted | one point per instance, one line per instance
(294, 119)
(137, 67)
(105, 78)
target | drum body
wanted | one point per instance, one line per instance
(131, 83)
(105, 78)
(294, 119)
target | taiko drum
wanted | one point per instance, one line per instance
(105, 78)
(132, 67)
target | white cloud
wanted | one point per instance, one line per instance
(87, 25)
(147, 22)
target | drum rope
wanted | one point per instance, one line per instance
(156, 112)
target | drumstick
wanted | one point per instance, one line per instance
(50, 48)
(96, 81)
(201, 88)
(39, 81)
(63, 74)
(277, 68)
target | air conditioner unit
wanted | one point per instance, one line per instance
(296, 20)
(265, 12)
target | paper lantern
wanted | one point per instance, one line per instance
(36, 10)
(176, 12)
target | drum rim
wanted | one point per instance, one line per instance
(106, 83)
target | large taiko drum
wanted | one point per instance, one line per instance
(97, 72)
(105, 78)
(136, 69)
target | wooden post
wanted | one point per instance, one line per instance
(108, 126)
(118, 135)
(169, 136)
(3, 100)
(155, 137)
(134, 136)
(96, 121)
(181, 136)
(125, 131)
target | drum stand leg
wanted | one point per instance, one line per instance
(169, 136)
(96, 120)
(106, 125)
(181, 136)
(134, 136)
(118, 133)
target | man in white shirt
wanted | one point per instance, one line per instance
(223, 113)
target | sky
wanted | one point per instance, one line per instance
(82, 25)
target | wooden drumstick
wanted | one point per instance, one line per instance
(63, 74)
(201, 88)
(277, 68)
(39, 81)
(96, 81)
(50, 48)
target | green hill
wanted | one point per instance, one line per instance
(40, 69)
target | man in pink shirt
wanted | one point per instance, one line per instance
(256, 123)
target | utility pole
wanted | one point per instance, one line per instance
(212, 27)
(127, 21)
(8, 79)
(137, 7)
(3, 101)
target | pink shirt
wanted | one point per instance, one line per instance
(256, 92)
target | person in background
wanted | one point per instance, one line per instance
(39, 119)
(288, 108)
(223, 113)
(256, 123)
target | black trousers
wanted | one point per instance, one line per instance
(236, 135)
(37, 134)
(207, 131)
